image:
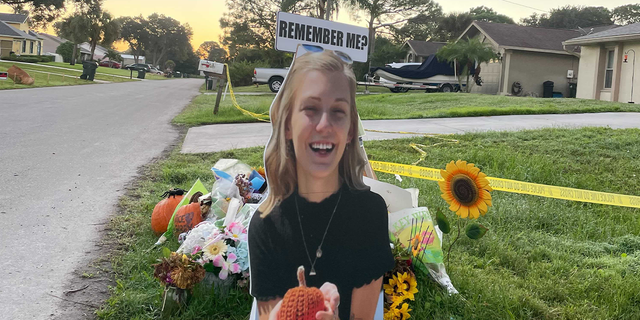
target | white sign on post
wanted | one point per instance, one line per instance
(293, 29)
(3, 75)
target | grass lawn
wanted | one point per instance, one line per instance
(37, 68)
(541, 259)
(405, 106)
(104, 70)
(41, 80)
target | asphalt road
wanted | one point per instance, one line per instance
(66, 154)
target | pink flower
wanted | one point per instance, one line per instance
(236, 231)
(226, 265)
(195, 250)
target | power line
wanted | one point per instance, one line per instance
(522, 5)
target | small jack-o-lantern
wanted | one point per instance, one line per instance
(164, 210)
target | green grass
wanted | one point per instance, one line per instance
(408, 106)
(104, 70)
(541, 259)
(33, 69)
(41, 80)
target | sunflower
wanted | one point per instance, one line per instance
(412, 286)
(465, 189)
(404, 311)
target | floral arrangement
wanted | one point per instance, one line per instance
(220, 250)
(178, 270)
(401, 284)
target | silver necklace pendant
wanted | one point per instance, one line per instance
(312, 272)
(318, 253)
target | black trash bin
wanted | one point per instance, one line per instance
(573, 87)
(141, 74)
(547, 89)
(89, 70)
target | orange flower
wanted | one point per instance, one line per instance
(465, 189)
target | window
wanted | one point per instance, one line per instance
(608, 70)
(39, 48)
(31, 47)
(24, 46)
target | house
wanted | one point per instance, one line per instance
(608, 64)
(130, 59)
(51, 42)
(418, 51)
(527, 55)
(16, 37)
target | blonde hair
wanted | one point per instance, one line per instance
(280, 164)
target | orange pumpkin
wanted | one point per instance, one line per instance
(301, 303)
(164, 210)
(188, 216)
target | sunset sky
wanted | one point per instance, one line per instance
(203, 15)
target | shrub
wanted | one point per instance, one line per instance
(23, 59)
(241, 72)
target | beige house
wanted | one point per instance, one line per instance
(608, 64)
(528, 56)
(16, 37)
(418, 51)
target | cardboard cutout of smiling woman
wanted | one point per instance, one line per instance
(319, 213)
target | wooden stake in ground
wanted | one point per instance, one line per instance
(221, 83)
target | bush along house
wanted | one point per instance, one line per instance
(16, 37)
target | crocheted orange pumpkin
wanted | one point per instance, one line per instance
(301, 303)
(164, 210)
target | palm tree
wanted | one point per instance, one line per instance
(103, 28)
(73, 28)
(467, 53)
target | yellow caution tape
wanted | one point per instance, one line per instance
(514, 186)
(259, 116)
(415, 146)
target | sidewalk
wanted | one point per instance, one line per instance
(214, 138)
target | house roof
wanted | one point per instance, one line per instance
(10, 31)
(628, 32)
(52, 38)
(10, 17)
(522, 37)
(424, 48)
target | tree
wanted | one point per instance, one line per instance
(570, 17)
(483, 13)
(73, 28)
(421, 27)
(42, 12)
(135, 32)
(167, 34)
(211, 50)
(66, 50)
(467, 53)
(103, 28)
(627, 14)
(169, 65)
(452, 25)
(251, 24)
(113, 55)
(383, 14)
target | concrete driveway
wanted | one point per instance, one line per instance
(66, 154)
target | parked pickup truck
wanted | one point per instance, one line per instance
(272, 76)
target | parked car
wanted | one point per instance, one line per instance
(155, 70)
(274, 77)
(110, 64)
(138, 67)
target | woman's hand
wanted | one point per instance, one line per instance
(331, 302)
(273, 315)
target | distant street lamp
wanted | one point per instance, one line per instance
(633, 71)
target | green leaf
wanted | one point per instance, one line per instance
(166, 252)
(476, 231)
(443, 222)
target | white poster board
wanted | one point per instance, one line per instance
(293, 29)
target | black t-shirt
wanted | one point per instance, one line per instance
(355, 251)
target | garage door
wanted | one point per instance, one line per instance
(490, 75)
(5, 48)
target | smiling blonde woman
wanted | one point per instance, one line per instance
(319, 213)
